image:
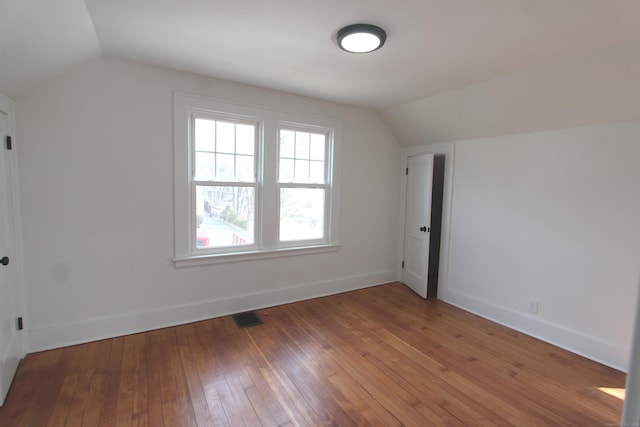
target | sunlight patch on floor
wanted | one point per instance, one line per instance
(615, 392)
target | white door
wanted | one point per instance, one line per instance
(418, 223)
(10, 341)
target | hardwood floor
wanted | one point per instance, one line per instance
(379, 356)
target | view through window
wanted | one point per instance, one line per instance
(302, 181)
(225, 182)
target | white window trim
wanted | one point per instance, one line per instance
(271, 120)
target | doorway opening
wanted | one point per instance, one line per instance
(437, 199)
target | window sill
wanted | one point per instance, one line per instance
(253, 255)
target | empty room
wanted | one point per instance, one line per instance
(297, 213)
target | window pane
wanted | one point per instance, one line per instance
(302, 145)
(205, 135)
(316, 172)
(225, 216)
(302, 171)
(301, 214)
(225, 167)
(245, 139)
(308, 152)
(287, 143)
(244, 169)
(224, 151)
(205, 166)
(286, 170)
(225, 137)
(317, 146)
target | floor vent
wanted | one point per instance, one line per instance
(246, 320)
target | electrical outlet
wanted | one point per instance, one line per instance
(533, 306)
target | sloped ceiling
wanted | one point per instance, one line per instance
(433, 47)
(595, 88)
(40, 39)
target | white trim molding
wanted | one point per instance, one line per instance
(8, 106)
(448, 150)
(66, 334)
(607, 353)
(631, 410)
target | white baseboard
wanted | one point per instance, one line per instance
(62, 335)
(590, 347)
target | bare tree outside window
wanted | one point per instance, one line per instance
(225, 182)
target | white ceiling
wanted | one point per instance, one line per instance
(433, 46)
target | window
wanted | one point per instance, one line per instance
(302, 185)
(252, 182)
(224, 182)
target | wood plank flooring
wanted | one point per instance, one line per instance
(380, 356)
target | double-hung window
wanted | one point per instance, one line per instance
(225, 182)
(302, 185)
(252, 182)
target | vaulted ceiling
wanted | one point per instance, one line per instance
(433, 46)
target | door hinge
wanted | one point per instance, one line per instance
(9, 145)
(402, 264)
(407, 172)
(19, 323)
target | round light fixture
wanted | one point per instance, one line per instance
(361, 38)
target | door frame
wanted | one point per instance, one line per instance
(8, 107)
(449, 152)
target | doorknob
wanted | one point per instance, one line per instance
(423, 229)
(4, 260)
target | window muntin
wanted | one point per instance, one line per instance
(302, 157)
(225, 184)
(303, 185)
(224, 151)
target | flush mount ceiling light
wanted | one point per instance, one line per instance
(361, 38)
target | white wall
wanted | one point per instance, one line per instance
(545, 198)
(97, 192)
(552, 216)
